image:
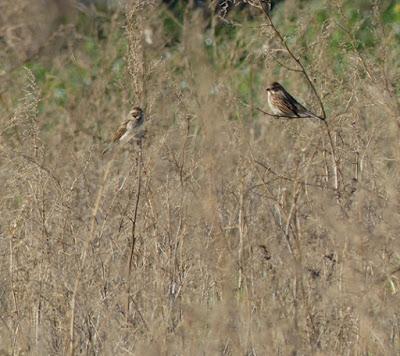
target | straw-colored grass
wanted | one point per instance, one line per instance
(226, 232)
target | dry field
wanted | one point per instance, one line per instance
(227, 232)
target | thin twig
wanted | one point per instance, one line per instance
(280, 116)
(265, 8)
(88, 241)
(334, 161)
(287, 67)
(289, 51)
(134, 220)
(289, 179)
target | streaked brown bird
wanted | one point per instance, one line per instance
(129, 128)
(283, 104)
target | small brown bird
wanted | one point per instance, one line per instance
(283, 104)
(129, 128)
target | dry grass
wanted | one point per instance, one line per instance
(227, 232)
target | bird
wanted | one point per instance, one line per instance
(129, 128)
(283, 104)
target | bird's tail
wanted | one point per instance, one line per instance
(311, 114)
(108, 148)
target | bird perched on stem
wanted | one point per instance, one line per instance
(130, 128)
(283, 104)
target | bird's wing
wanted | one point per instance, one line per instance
(300, 110)
(286, 103)
(121, 130)
(294, 104)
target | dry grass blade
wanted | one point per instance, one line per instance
(221, 232)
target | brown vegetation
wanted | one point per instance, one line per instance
(226, 232)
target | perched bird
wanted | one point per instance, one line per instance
(129, 128)
(283, 104)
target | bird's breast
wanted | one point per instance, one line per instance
(274, 108)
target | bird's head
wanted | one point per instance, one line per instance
(136, 112)
(274, 87)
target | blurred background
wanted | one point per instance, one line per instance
(226, 231)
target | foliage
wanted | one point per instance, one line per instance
(227, 231)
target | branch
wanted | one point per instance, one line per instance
(280, 116)
(133, 231)
(287, 67)
(265, 8)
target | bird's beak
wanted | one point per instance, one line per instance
(268, 89)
